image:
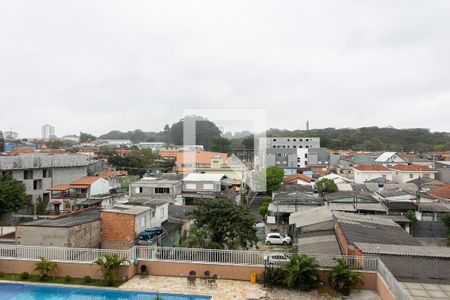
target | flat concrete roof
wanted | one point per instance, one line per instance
(70, 220)
(127, 209)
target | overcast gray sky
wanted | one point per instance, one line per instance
(100, 65)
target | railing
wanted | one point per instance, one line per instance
(240, 257)
(60, 253)
(235, 257)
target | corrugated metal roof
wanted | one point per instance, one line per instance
(404, 250)
(311, 216)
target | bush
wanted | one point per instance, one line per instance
(87, 279)
(301, 272)
(44, 268)
(273, 276)
(67, 278)
(343, 279)
(24, 276)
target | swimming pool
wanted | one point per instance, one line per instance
(16, 291)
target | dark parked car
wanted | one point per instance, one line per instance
(150, 233)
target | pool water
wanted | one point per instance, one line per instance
(13, 291)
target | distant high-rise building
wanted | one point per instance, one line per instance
(47, 132)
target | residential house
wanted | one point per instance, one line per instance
(81, 229)
(297, 179)
(405, 173)
(389, 159)
(442, 193)
(355, 202)
(317, 221)
(426, 184)
(39, 172)
(122, 223)
(166, 186)
(432, 211)
(231, 168)
(209, 186)
(284, 203)
(336, 178)
(186, 161)
(114, 177)
(355, 228)
(159, 209)
(363, 173)
(82, 193)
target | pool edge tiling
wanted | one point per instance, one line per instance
(22, 291)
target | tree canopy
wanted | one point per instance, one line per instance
(12, 194)
(205, 132)
(220, 223)
(326, 185)
(273, 177)
(2, 142)
(84, 137)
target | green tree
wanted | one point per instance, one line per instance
(273, 177)
(326, 185)
(2, 142)
(84, 137)
(41, 206)
(12, 194)
(205, 131)
(301, 272)
(221, 144)
(224, 224)
(439, 147)
(248, 142)
(109, 264)
(44, 268)
(343, 279)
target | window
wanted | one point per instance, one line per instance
(37, 184)
(384, 176)
(306, 155)
(28, 174)
(208, 186)
(46, 173)
(191, 186)
(153, 213)
(274, 140)
(294, 140)
(162, 212)
(160, 190)
(411, 176)
(138, 190)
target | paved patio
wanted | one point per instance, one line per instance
(227, 289)
(427, 291)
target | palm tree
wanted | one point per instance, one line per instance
(44, 268)
(301, 272)
(343, 279)
(109, 263)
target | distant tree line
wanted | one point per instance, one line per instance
(375, 138)
(365, 138)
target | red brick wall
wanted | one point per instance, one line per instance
(118, 230)
(341, 239)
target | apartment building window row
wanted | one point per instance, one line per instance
(160, 190)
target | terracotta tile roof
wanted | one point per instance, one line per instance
(408, 155)
(88, 180)
(296, 177)
(377, 168)
(59, 187)
(412, 168)
(22, 150)
(442, 192)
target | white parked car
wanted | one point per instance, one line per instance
(277, 239)
(277, 259)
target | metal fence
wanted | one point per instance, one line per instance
(235, 257)
(60, 253)
(239, 257)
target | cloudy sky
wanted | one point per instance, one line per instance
(99, 65)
